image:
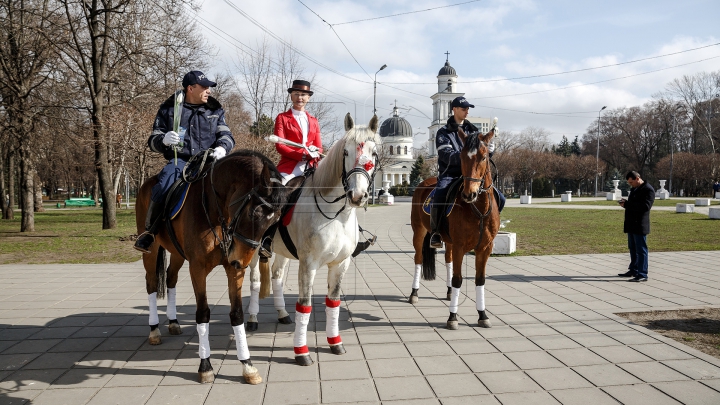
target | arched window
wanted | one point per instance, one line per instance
(398, 149)
(406, 150)
(391, 150)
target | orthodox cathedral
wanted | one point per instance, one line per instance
(396, 133)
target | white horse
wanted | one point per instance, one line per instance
(324, 230)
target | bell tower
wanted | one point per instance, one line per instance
(447, 91)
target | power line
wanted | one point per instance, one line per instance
(405, 13)
(571, 71)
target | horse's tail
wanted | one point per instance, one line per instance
(264, 278)
(428, 255)
(160, 272)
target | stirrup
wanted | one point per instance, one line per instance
(265, 250)
(142, 244)
(436, 241)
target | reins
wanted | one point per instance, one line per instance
(344, 180)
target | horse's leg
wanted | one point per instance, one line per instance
(419, 233)
(303, 309)
(176, 261)
(198, 275)
(449, 270)
(332, 306)
(254, 305)
(235, 280)
(278, 272)
(481, 259)
(456, 283)
(154, 263)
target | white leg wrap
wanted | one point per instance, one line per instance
(301, 323)
(278, 298)
(416, 279)
(454, 300)
(241, 342)
(254, 305)
(332, 314)
(171, 303)
(203, 330)
(480, 297)
(152, 308)
(449, 268)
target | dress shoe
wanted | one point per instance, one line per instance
(629, 273)
(638, 279)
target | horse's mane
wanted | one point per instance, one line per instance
(328, 173)
(248, 160)
(473, 142)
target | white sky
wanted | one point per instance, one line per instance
(488, 39)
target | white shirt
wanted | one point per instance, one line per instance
(302, 120)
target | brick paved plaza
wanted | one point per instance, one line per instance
(76, 334)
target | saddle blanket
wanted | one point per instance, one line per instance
(179, 197)
(427, 205)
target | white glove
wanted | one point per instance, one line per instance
(218, 153)
(171, 138)
(491, 147)
(313, 148)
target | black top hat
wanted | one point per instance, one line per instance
(300, 85)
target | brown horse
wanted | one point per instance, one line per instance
(472, 224)
(223, 218)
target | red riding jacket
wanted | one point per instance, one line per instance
(287, 127)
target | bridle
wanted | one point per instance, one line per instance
(344, 177)
(481, 189)
(229, 231)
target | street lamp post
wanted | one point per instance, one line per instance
(372, 198)
(597, 153)
(375, 86)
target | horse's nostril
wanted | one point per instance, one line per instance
(235, 264)
(366, 195)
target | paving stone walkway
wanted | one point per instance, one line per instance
(76, 334)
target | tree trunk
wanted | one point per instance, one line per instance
(3, 191)
(38, 193)
(95, 191)
(27, 192)
(102, 166)
(9, 213)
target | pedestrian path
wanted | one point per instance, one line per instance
(76, 334)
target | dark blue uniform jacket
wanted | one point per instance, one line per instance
(448, 145)
(205, 124)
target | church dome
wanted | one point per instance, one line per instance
(395, 126)
(447, 70)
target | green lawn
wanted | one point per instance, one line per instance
(658, 203)
(69, 236)
(560, 232)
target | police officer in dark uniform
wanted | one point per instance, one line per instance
(203, 121)
(448, 145)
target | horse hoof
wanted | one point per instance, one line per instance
(154, 338)
(285, 320)
(484, 323)
(174, 328)
(253, 378)
(304, 360)
(452, 325)
(413, 299)
(206, 377)
(338, 349)
(252, 326)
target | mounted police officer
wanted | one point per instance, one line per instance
(203, 119)
(448, 145)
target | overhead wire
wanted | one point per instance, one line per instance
(405, 13)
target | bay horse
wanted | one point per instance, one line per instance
(222, 220)
(324, 231)
(472, 224)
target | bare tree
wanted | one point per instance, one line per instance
(535, 139)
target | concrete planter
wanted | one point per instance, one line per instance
(567, 197)
(504, 243)
(702, 202)
(714, 212)
(525, 199)
(685, 208)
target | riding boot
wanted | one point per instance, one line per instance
(436, 241)
(267, 241)
(152, 223)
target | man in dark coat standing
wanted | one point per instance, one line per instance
(637, 225)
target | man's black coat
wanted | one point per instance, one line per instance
(637, 209)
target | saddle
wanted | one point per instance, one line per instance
(453, 189)
(296, 184)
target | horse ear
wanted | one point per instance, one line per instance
(462, 134)
(349, 123)
(373, 125)
(489, 136)
(266, 175)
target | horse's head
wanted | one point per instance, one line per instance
(475, 164)
(254, 203)
(359, 159)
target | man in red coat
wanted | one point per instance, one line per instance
(299, 126)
